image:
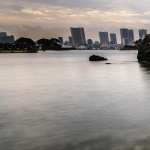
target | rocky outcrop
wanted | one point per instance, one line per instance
(97, 58)
(143, 46)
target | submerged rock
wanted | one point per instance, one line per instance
(143, 46)
(97, 58)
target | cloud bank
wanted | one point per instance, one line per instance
(47, 18)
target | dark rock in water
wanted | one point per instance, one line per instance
(97, 58)
(143, 46)
(108, 63)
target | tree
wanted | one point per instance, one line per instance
(143, 47)
(49, 44)
(55, 44)
(43, 44)
(26, 45)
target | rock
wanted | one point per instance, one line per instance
(143, 46)
(108, 63)
(97, 58)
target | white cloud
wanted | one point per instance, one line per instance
(61, 14)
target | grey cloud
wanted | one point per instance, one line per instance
(134, 5)
(101, 4)
(34, 25)
(34, 32)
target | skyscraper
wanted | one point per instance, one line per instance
(104, 39)
(124, 36)
(127, 37)
(113, 39)
(142, 33)
(78, 37)
(131, 37)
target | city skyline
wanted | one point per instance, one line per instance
(78, 37)
(43, 18)
(136, 34)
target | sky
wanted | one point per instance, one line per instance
(53, 18)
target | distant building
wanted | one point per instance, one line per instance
(131, 37)
(3, 34)
(61, 40)
(142, 33)
(90, 44)
(113, 40)
(127, 37)
(78, 37)
(70, 41)
(66, 42)
(5, 39)
(96, 45)
(124, 36)
(104, 39)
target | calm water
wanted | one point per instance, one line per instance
(61, 101)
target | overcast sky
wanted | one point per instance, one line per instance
(47, 18)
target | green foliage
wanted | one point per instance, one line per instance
(143, 47)
(49, 44)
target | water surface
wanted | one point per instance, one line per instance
(61, 101)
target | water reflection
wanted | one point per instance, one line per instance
(146, 67)
(110, 143)
(61, 101)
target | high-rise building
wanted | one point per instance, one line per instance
(127, 37)
(131, 37)
(4, 38)
(124, 36)
(142, 33)
(70, 41)
(104, 39)
(78, 37)
(90, 44)
(113, 39)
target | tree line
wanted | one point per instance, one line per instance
(28, 45)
